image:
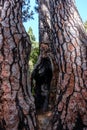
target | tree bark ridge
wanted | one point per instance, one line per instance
(17, 110)
(69, 41)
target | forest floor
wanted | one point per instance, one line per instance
(43, 120)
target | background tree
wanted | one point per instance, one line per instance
(17, 110)
(34, 49)
(85, 25)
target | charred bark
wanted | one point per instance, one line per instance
(42, 74)
(17, 110)
(46, 46)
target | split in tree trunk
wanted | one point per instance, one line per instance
(45, 37)
(42, 74)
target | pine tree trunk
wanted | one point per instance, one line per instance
(17, 110)
(70, 43)
(44, 22)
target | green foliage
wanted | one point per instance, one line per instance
(34, 50)
(85, 25)
(27, 13)
(32, 36)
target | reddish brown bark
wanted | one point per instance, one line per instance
(17, 110)
(69, 45)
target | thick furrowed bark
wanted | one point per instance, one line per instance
(17, 111)
(70, 43)
(44, 22)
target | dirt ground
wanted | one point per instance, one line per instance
(43, 120)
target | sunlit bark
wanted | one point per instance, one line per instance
(70, 43)
(17, 110)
